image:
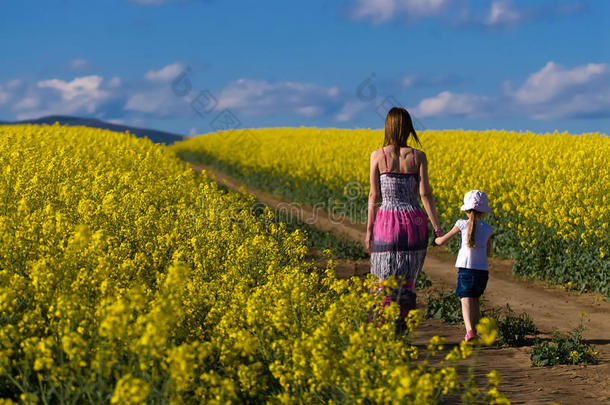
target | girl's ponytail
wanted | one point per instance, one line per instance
(472, 227)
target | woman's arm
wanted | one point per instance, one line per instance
(374, 199)
(425, 191)
(489, 245)
(441, 240)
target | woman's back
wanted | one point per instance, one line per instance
(399, 187)
(403, 162)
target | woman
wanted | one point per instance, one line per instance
(397, 230)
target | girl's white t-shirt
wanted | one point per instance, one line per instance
(473, 258)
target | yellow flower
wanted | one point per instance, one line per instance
(454, 354)
(496, 397)
(466, 349)
(130, 390)
(494, 377)
(573, 355)
(29, 399)
(487, 329)
(436, 343)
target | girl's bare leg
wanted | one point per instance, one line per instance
(475, 313)
(467, 306)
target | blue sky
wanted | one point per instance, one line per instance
(192, 66)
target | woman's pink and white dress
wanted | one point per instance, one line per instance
(400, 232)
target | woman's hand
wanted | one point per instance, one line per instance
(438, 232)
(367, 241)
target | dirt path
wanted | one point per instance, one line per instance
(550, 307)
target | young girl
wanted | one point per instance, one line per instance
(472, 257)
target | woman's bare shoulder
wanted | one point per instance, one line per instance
(376, 156)
(420, 155)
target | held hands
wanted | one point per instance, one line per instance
(438, 232)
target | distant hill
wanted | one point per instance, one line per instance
(152, 134)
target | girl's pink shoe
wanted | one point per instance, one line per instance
(470, 335)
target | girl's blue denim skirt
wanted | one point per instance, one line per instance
(471, 283)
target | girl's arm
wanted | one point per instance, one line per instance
(441, 240)
(425, 191)
(374, 199)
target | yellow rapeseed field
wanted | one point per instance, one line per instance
(125, 277)
(549, 193)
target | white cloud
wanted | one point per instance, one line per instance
(553, 79)
(448, 103)
(81, 95)
(349, 110)
(503, 13)
(383, 10)
(459, 13)
(13, 84)
(94, 95)
(428, 81)
(86, 86)
(114, 82)
(155, 97)
(8, 89)
(309, 110)
(595, 105)
(152, 96)
(333, 91)
(258, 97)
(408, 81)
(555, 91)
(28, 103)
(4, 95)
(165, 74)
(551, 92)
(151, 101)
